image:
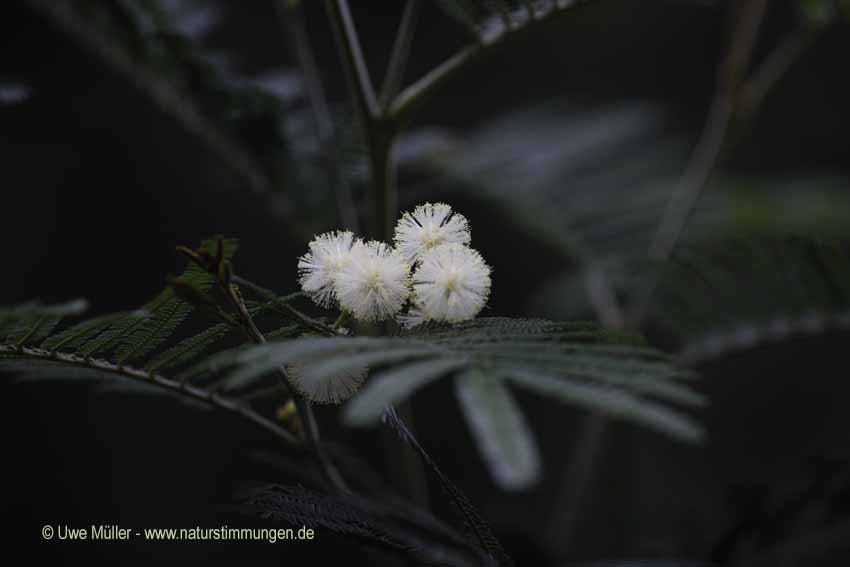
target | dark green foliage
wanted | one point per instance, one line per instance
(753, 291)
(188, 349)
(74, 337)
(381, 523)
(30, 323)
(576, 362)
(596, 204)
(153, 40)
(472, 520)
(139, 333)
(572, 362)
(127, 337)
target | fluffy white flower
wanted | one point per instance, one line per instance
(325, 389)
(452, 283)
(329, 253)
(429, 225)
(375, 283)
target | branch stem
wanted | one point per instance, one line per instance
(349, 44)
(400, 53)
(199, 394)
(402, 108)
(304, 408)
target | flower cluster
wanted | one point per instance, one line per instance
(431, 270)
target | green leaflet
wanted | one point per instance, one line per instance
(610, 401)
(153, 330)
(74, 337)
(105, 341)
(135, 335)
(503, 436)
(30, 323)
(188, 349)
(168, 310)
(394, 385)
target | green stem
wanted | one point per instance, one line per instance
(380, 129)
(349, 45)
(411, 98)
(384, 196)
(305, 410)
(344, 319)
(400, 53)
(286, 309)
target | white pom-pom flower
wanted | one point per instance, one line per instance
(452, 283)
(324, 389)
(428, 226)
(375, 284)
(318, 268)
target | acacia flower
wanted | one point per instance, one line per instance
(323, 389)
(429, 225)
(375, 283)
(329, 253)
(451, 284)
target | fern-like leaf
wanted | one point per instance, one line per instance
(188, 349)
(30, 323)
(402, 529)
(576, 363)
(749, 292)
(74, 337)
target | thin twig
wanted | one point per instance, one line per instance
(349, 44)
(577, 478)
(288, 310)
(586, 454)
(400, 53)
(222, 270)
(305, 410)
(774, 67)
(602, 296)
(704, 158)
(380, 133)
(412, 97)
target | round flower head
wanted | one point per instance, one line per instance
(452, 283)
(325, 389)
(329, 252)
(375, 284)
(429, 225)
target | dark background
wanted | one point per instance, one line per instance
(99, 185)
